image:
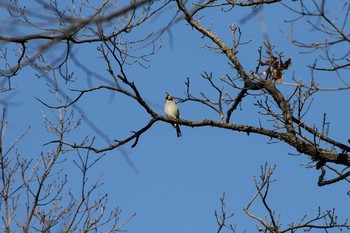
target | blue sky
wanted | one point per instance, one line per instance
(179, 181)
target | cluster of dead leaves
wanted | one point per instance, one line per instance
(275, 67)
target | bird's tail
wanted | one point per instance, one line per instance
(178, 131)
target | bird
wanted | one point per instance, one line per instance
(171, 110)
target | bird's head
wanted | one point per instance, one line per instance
(169, 97)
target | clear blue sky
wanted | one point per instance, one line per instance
(180, 180)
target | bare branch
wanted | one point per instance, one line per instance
(322, 220)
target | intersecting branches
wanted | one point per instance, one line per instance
(91, 213)
(109, 27)
(205, 100)
(271, 223)
(334, 31)
(65, 27)
(115, 54)
(274, 103)
(35, 194)
(286, 112)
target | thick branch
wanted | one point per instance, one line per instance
(252, 3)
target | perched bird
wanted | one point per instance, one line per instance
(172, 111)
